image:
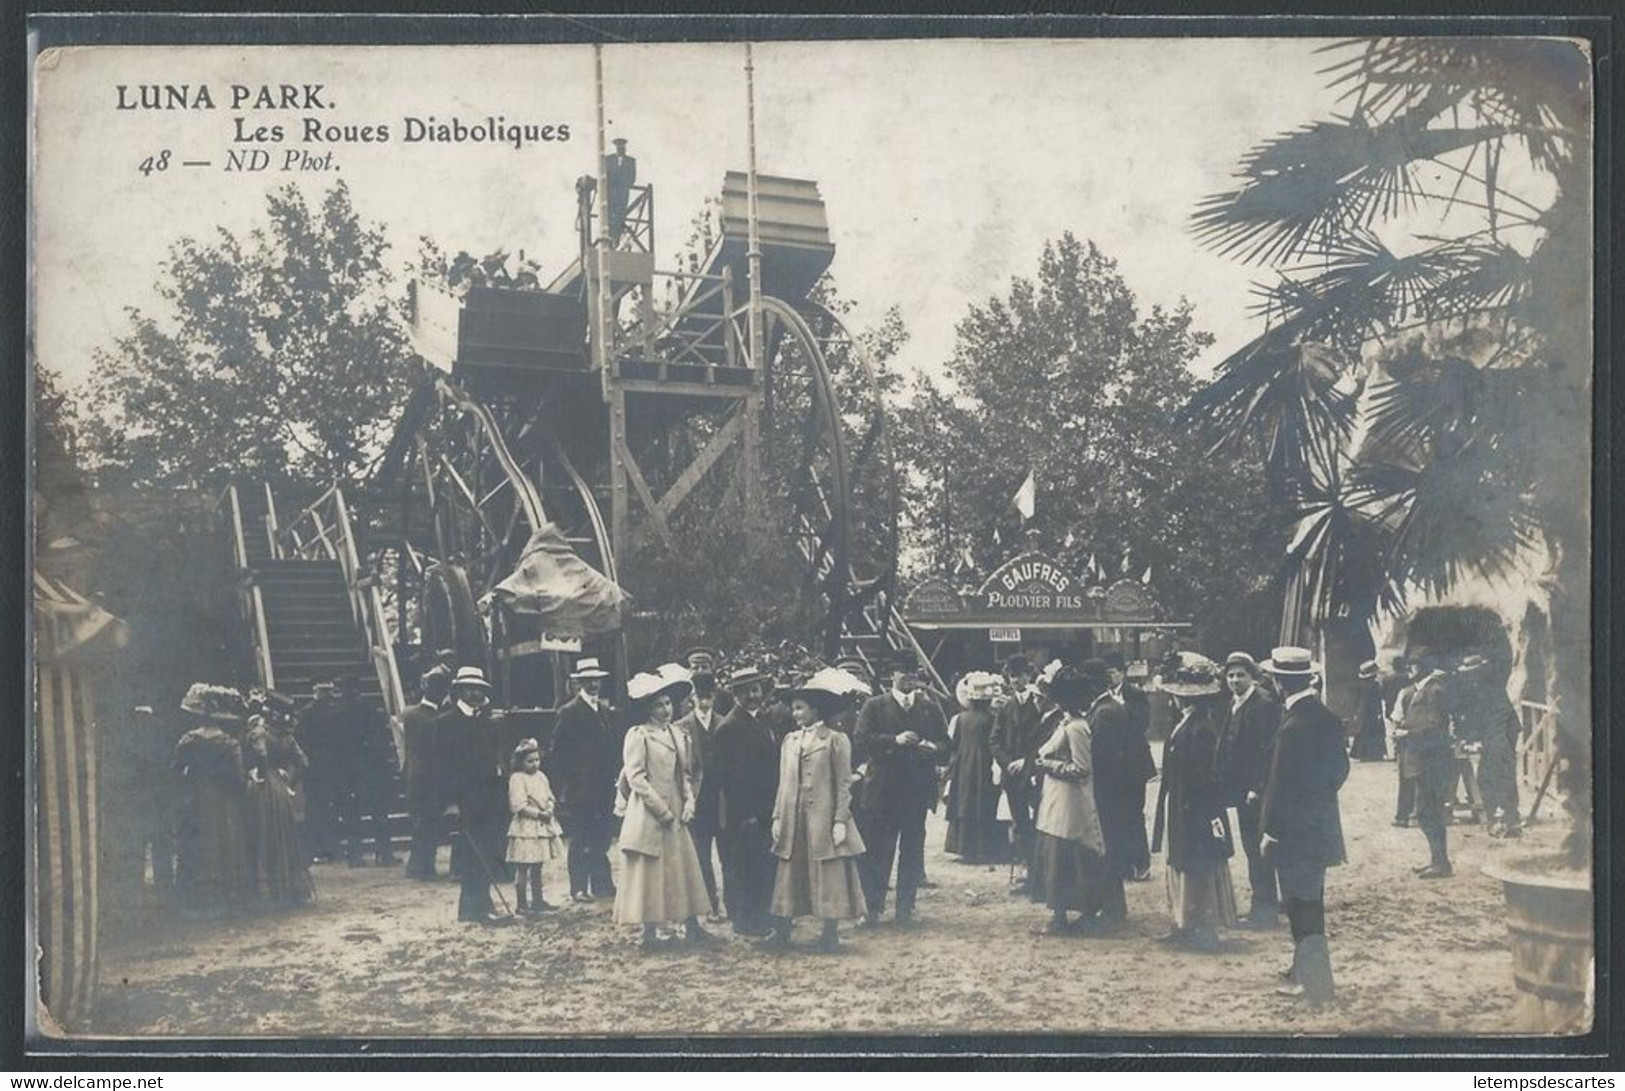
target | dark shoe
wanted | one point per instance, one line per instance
(701, 938)
(1442, 871)
(1177, 938)
(1512, 832)
(777, 941)
(1203, 941)
(828, 944)
(542, 907)
(751, 931)
(1402, 823)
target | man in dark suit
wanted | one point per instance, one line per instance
(1017, 735)
(903, 738)
(479, 791)
(700, 725)
(1119, 788)
(622, 172)
(1303, 830)
(745, 773)
(1245, 753)
(1428, 758)
(1141, 767)
(584, 762)
(424, 779)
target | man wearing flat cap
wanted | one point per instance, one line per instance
(1245, 752)
(584, 764)
(1303, 829)
(424, 779)
(746, 775)
(903, 737)
(699, 726)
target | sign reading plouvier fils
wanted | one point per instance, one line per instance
(1031, 589)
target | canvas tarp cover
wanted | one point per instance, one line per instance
(564, 593)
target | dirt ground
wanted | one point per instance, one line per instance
(381, 956)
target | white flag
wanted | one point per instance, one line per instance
(1026, 496)
(1146, 579)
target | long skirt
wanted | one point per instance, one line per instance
(804, 887)
(279, 862)
(1068, 875)
(1202, 895)
(662, 889)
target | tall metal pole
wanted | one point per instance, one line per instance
(753, 257)
(604, 355)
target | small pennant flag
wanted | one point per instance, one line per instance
(964, 562)
(1027, 496)
(1146, 578)
(998, 539)
(1127, 560)
(1093, 571)
(1069, 541)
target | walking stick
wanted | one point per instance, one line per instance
(490, 875)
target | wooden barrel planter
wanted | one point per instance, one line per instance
(1549, 921)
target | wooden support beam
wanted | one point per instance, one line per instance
(696, 470)
(635, 476)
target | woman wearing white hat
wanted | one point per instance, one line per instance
(1191, 807)
(975, 834)
(661, 882)
(814, 836)
(209, 759)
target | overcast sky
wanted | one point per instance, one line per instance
(945, 165)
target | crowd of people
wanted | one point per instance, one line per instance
(811, 790)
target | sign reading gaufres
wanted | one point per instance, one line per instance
(1035, 591)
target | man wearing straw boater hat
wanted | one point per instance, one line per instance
(1303, 831)
(479, 792)
(746, 775)
(584, 764)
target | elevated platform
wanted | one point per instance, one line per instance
(489, 329)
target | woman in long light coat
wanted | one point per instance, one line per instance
(661, 881)
(1069, 868)
(814, 837)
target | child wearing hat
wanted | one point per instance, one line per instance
(533, 831)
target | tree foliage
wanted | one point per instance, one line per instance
(1067, 377)
(281, 356)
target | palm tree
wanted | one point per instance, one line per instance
(1422, 389)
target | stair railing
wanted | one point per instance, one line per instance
(323, 531)
(249, 598)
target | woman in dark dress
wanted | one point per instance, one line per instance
(209, 760)
(275, 765)
(1370, 731)
(1191, 807)
(975, 834)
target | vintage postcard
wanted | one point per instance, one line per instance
(734, 538)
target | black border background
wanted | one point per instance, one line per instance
(311, 22)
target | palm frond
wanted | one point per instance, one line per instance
(1284, 390)
(1458, 514)
(1313, 184)
(1536, 88)
(1338, 545)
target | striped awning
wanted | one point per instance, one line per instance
(70, 634)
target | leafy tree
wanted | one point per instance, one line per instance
(282, 356)
(1423, 386)
(1066, 377)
